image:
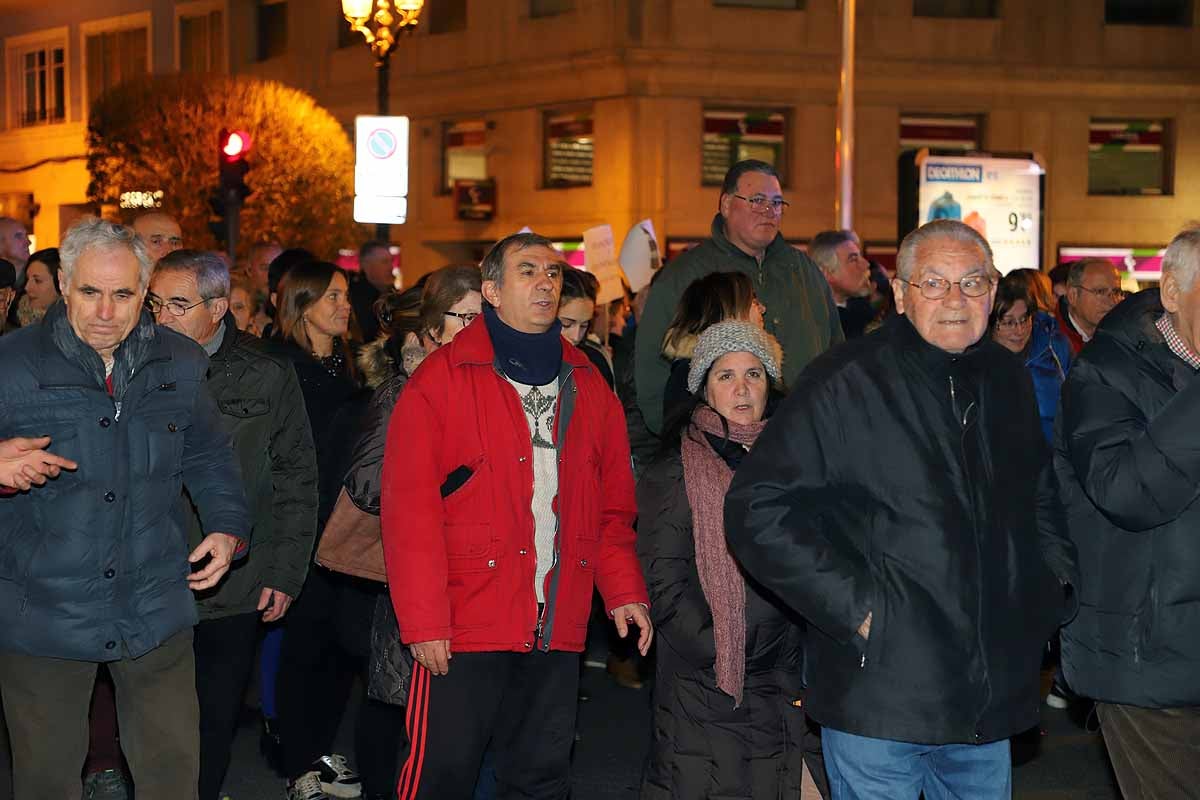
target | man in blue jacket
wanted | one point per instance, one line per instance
(94, 566)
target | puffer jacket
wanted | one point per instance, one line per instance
(1128, 458)
(461, 559)
(800, 310)
(702, 746)
(93, 565)
(260, 403)
(1048, 358)
(901, 480)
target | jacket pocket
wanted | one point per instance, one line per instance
(464, 543)
(162, 445)
(245, 407)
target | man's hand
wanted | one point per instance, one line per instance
(273, 603)
(433, 655)
(864, 630)
(220, 547)
(25, 463)
(634, 614)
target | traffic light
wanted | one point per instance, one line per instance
(233, 146)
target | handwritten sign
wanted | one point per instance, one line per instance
(601, 255)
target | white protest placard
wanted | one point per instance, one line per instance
(640, 257)
(601, 260)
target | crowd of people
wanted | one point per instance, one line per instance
(843, 513)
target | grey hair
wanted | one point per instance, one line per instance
(492, 265)
(950, 229)
(1182, 258)
(823, 248)
(93, 232)
(209, 270)
(1078, 269)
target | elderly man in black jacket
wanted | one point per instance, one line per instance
(1128, 458)
(903, 500)
(94, 565)
(260, 402)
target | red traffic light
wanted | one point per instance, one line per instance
(234, 144)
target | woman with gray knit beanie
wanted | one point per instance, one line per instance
(727, 716)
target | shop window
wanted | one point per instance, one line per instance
(550, 8)
(570, 149)
(1129, 156)
(790, 5)
(1177, 13)
(940, 132)
(969, 9)
(733, 135)
(464, 152)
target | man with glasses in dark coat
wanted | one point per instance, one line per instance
(903, 500)
(1127, 457)
(260, 402)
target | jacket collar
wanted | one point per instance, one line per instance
(1131, 324)
(474, 346)
(230, 340)
(722, 241)
(933, 360)
(79, 364)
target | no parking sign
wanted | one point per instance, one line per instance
(380, 169)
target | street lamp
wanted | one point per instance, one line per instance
(380, 22)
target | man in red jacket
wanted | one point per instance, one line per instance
(507, 494)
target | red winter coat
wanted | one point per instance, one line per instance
(462, 568)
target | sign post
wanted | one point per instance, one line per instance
(381, 172)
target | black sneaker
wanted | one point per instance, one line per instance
(337, 779)
(107, 784)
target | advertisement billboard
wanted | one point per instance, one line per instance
(999, 197)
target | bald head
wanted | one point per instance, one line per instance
(14, 242)
(160, 232)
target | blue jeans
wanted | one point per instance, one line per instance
(861, 768)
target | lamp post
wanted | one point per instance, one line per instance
(380, 22)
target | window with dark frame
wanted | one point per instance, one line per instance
(732, 135)
(961, 9)
(1130, 157)
(43, 86)
(464, 152)
(114, 57)
(569, 148)
(941, 131)
(550, 8)
(202, 42)
(444, 16)
(272, 24)
(787, 5)
(1174, 13)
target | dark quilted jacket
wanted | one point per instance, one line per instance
(93, 566)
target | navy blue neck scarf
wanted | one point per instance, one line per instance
(530, 358)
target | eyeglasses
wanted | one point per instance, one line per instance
(155, 305)
(937, 288)
(762, 204)
(467, 318)
(1015, 322)
(158, 240)
(1116, 295)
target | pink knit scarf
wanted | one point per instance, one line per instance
(706, 478)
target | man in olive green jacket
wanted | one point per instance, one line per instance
(745, 238)
(260, 403)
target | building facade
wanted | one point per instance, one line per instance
(585, 112)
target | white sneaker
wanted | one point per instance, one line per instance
(307, 787)
(337, 779)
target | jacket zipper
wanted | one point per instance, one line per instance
(962, 451)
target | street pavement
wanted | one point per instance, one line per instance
(1058, 761)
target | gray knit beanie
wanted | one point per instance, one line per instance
(733, 337)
